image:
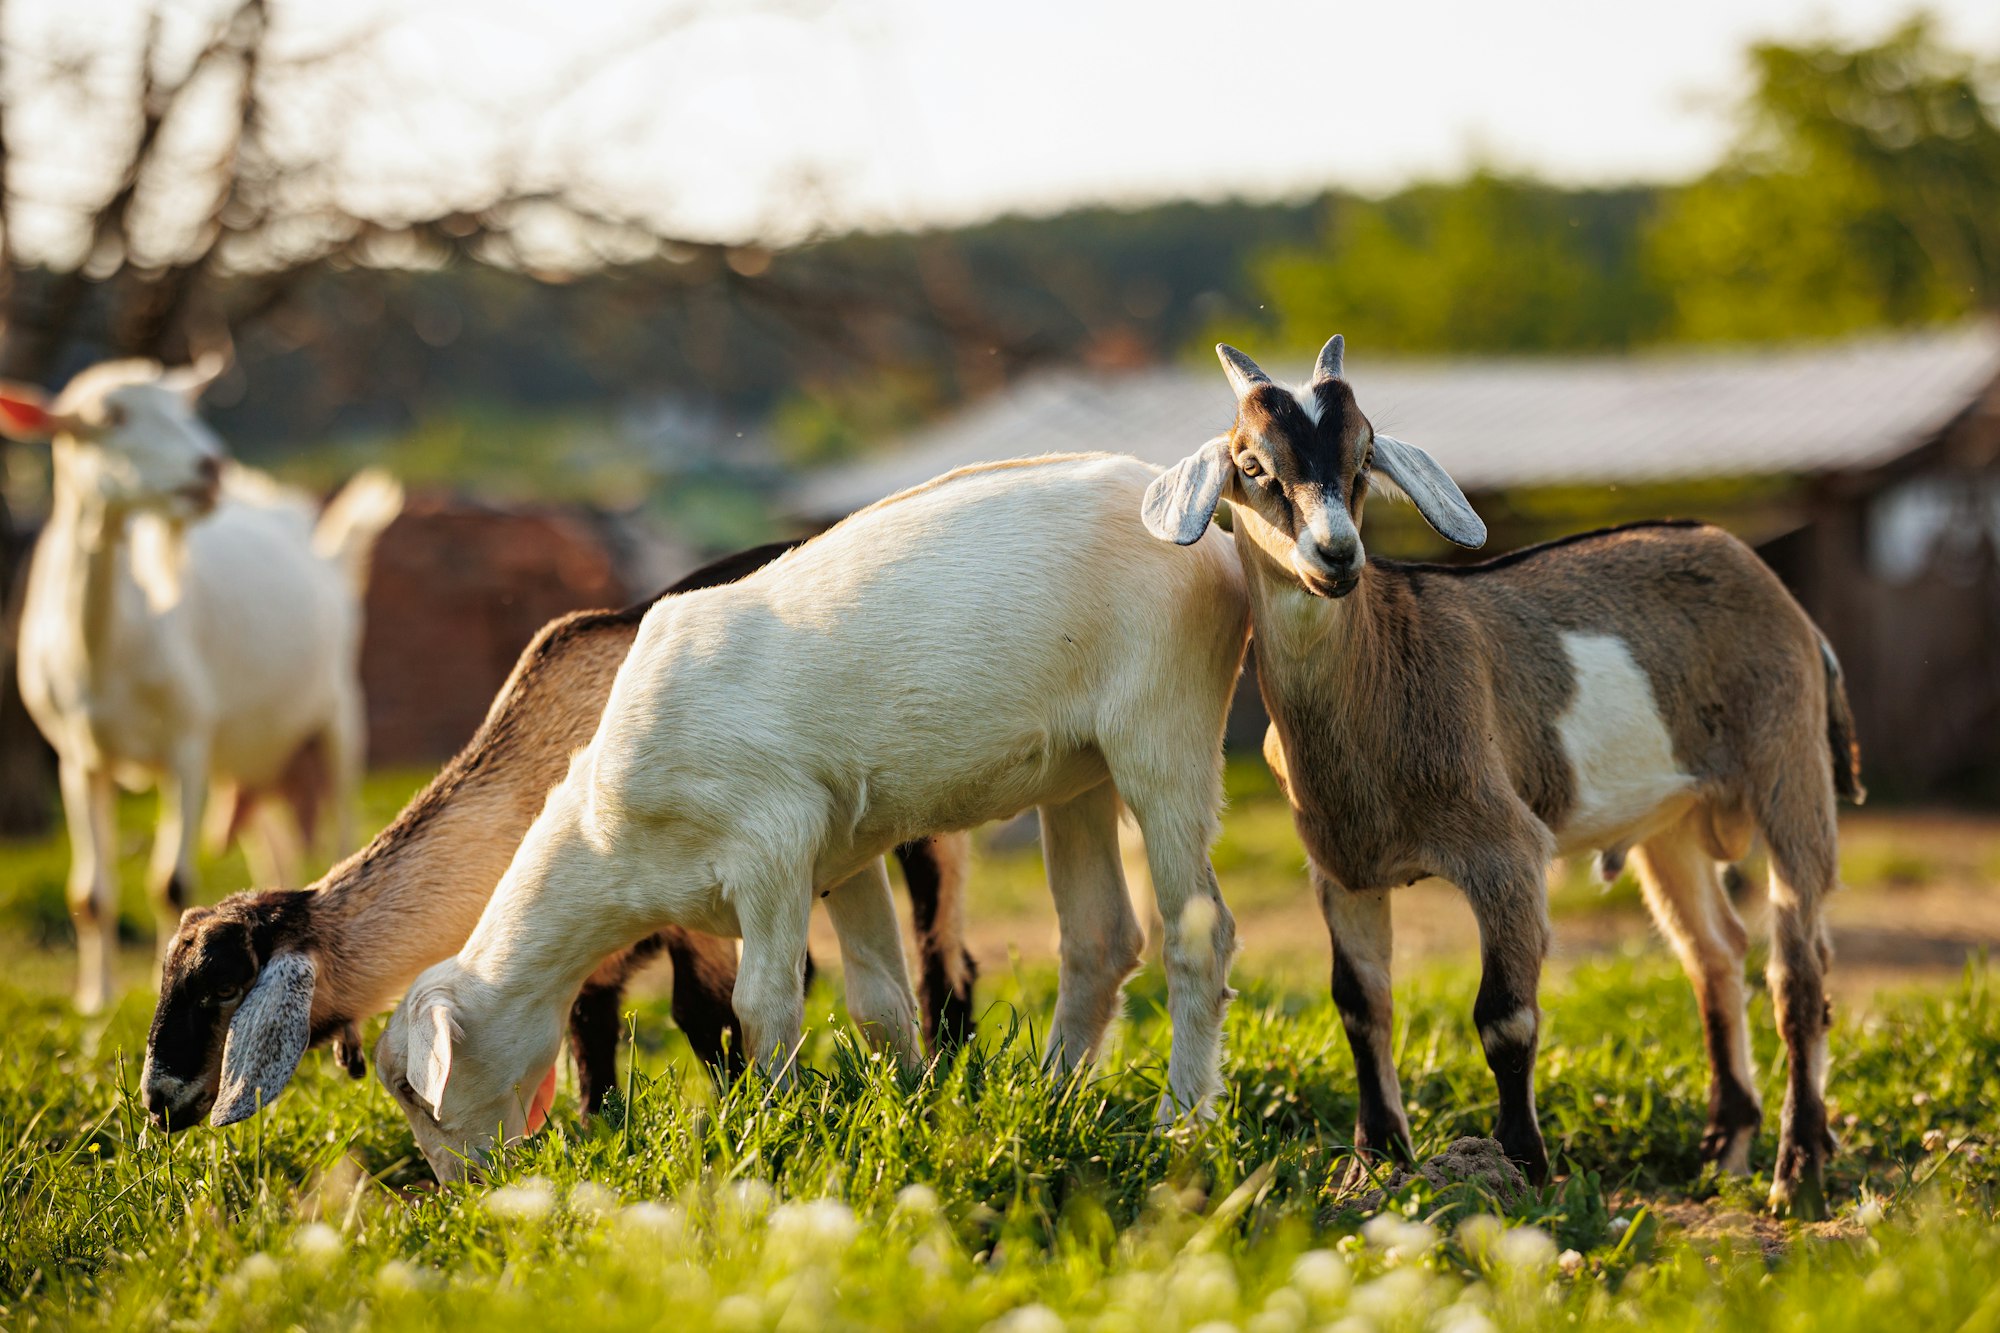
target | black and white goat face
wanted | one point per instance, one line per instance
(233, 1021)
(1298, 464)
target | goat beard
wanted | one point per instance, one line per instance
(545, 1096)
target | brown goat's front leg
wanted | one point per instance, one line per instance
(1362, 934)
(1513, 941)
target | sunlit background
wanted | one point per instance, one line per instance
(617, 287)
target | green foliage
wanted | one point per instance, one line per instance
(1494, 263)
(1864, 190)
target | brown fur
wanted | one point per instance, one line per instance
(1414, 725)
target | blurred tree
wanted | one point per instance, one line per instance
(1863, 190)
(1492, 263)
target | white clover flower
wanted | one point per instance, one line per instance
(741, 1311)
(918, 1201)
(1571, 1262)
(256, 1269)
(1870, 1213)
(821, 1226)
(1399, 1237)
(1321, 1276)
(1391, 1296)
(1202, 1286)
(524, 1201)
(590, 1199)
(659, 1223)
(394, 1276)
(1619, 1226)
(1462, 1319)
(317, 1243)
(1524, 1248)
(1284, 1311)
(1028, 1319)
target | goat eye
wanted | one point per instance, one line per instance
(1249, 466)
(228, 993)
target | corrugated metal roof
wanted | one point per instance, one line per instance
(1501, 423)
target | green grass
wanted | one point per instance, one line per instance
(981, 1192)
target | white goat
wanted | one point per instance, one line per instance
(186, 621)
(1002, 637)
(1651, 688)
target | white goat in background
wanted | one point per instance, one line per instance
(186, 621)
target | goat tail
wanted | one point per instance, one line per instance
(1840, 731)
(352, 521)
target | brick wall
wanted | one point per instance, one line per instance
(456, 592)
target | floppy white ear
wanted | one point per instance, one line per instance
(429, 1063)
(1181, 500)
(268, 1034)
(1431, 490)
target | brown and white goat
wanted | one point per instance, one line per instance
(1651, 688)
(252, 982)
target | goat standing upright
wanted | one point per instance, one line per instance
(1652, 687)
(186, 621)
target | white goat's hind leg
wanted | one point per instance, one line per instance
(89, 809)
(1100, 936)
(346, 741)
(1683, 886)
(877, 978)
(172, 877)
(775, 912)
(281, 862)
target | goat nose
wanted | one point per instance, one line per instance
(211, 469)
(1338, 554)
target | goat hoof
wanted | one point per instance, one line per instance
(1798, 1189)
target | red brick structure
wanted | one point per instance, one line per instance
(457, 591)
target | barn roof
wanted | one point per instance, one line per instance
(1503, 422)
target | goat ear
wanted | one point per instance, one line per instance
(1244, 374)
(1181, 500)
(429, 1061)
(1328, 366)
(1431, 490)
(268, 1035)
(24, 413)
(191, 382)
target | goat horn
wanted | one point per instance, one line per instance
(1242, 371)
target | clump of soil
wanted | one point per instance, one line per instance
(1468, 1161)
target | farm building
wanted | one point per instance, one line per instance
(1866, 472)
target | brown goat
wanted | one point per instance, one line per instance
(1651, 688)
(258, 978)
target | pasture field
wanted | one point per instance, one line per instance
(980, 1194)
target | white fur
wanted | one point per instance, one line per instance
(1008, 636)
(1628, 783)
(162, 642)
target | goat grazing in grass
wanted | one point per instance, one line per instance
(1002, 637)
(1651, 688)
(186, 621)
(252, 982)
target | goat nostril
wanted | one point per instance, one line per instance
(211, 468)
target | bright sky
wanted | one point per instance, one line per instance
(769, 117)
(908, 110)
